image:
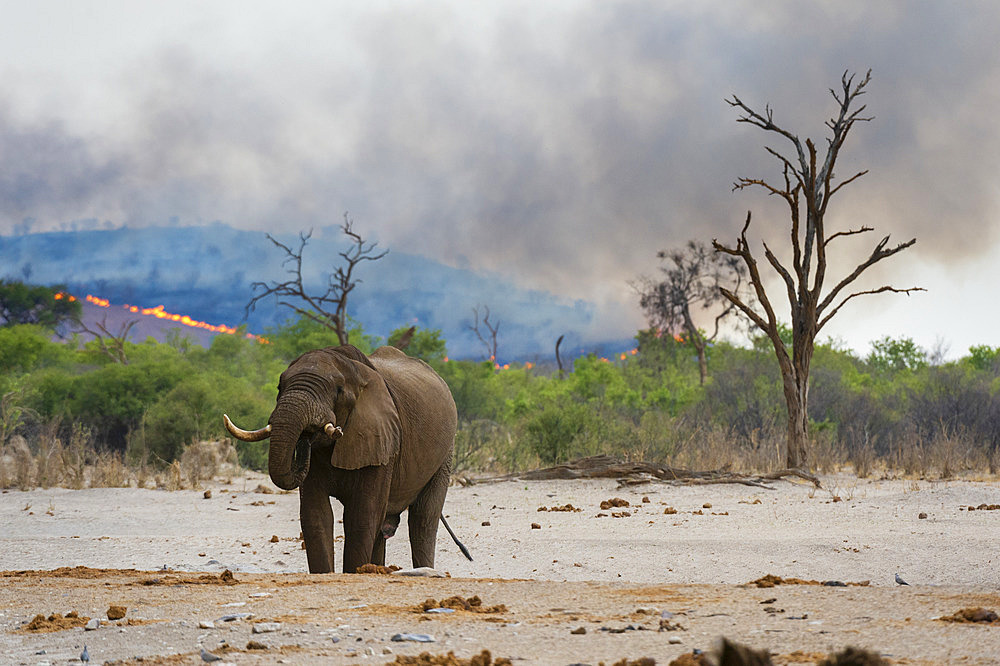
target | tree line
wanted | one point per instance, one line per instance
(788, 400)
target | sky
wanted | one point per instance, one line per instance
(557, 145)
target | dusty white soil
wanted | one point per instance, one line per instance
(584, 568)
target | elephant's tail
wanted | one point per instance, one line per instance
(461, 546)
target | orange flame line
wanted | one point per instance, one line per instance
(160, 313)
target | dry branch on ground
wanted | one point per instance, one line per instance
(630, 473)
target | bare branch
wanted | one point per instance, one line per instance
(880, 290)
(768, 325)
(783, 272)
(849, 232)
(330, 307)
(877, 255)
(845, 182)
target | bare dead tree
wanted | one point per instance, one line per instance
(562, 373)
(111, 344)
(330, 307)
(691, 281)
(489, 343)
(807, 187)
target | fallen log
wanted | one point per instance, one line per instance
(609, 467)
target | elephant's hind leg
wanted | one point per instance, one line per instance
(424, 514)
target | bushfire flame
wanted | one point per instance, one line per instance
(160, 313)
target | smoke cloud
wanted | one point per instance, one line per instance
(557, 147)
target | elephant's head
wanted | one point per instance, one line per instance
(331, 396)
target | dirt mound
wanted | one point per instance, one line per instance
(473, 605)
(770, 580)
(55, 622)
(977, 615)
(224, 578)
(484, 658)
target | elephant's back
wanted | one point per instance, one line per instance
(428, 421)
(414, 384)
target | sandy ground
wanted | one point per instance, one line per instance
(600, 570)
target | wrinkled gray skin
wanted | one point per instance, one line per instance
(398, 420)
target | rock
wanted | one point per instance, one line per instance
(274, 538)
(93, 624)
(235, 616)
(536, 526)
(266, 627)
(116, 612)
(486, 523)
(579, 631)
(440, 610)
(921, 515)
(417, 638)
(207, 494)
(425, 572)
(208, 657)
(675, 640)
(206, 624)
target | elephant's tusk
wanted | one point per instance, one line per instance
(332, 431)
(246, 435)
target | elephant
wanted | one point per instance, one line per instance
(377, 433)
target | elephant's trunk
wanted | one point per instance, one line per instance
(288, 456)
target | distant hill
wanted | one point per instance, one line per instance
(205, 273)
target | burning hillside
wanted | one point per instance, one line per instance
(150, 322)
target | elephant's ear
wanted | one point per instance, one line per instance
(371, 431)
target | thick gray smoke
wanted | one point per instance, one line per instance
(559, 147)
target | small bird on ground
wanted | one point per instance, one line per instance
(208, 657)
(900, 581)
(85, 656)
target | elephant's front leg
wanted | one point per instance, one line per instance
(364, 513)
(316, 517)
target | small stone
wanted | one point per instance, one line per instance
(417, 638)
(536, 526)
(370, 651)
(675, 640)
(425, 572)
(579, 631)
(266, 627)
(486, 523)
(94, 623)
(256, 645)
(387, 650)
(274, 538)
(116, 612)
(207, 494)
(440, 610)
(206, 624)
(921, 515)
(670, 511)
(235, 616)
(706, 505)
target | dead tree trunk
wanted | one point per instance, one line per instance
(807, 187)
